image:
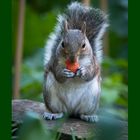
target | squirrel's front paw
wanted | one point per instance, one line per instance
(81, 72)
(67, 73)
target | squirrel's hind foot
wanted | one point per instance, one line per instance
(52, 116)
(89, 118)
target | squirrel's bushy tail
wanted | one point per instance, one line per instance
(76, 14)
(96, 23)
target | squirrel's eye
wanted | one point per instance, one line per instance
(83, 46)
(63, 45)
(64, 48)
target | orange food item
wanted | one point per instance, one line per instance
(72, 66)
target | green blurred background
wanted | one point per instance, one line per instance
(40, 19)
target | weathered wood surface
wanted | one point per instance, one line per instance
(81, 128)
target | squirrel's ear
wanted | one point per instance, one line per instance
(83, 29)
(65, 26)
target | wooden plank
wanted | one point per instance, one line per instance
(80, 128)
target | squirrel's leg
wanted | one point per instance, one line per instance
(47, 99)
(85, 73)
(89, 118)
(52, 116)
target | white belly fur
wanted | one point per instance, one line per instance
(74, 96)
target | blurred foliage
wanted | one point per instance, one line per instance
(32, 76)
(114, 86)
(118, 13)
(34, 128)
(40, 18)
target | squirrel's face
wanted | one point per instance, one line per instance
(75, 45)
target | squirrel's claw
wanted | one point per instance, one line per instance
(51, 116)
(67, 73)
(90, 118)
(81, 72)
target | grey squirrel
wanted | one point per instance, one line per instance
(77, 37)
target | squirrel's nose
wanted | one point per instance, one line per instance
(72, 58)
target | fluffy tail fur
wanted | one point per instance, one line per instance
(76, 13)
